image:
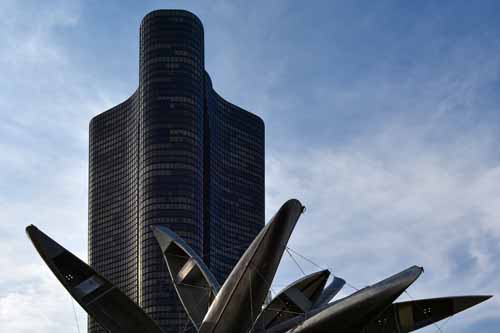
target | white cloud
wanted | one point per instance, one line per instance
(31, 298)
(386, 202)
(27, 31)
(43, 136)
(41, 307)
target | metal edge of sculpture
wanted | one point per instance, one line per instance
(330, 291)
(240, 298)
(237, 306)
(97, 296)
(192, 280)
(294, 300)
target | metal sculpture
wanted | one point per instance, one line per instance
(238, 305)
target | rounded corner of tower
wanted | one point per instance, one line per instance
(172, 12)
(153, 13)
(208, 81)
(91, 122)
(191, 15)
(260, 122)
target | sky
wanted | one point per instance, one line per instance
(382, 117)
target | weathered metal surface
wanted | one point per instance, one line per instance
(104, 302)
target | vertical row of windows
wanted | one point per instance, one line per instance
(236, 181)
(113, 199)
(171, 158)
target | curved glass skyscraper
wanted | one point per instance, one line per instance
(178, 154)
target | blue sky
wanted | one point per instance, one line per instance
(382, 117)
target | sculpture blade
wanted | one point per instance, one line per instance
(354, 312)
(112, 309)
(296, 299)
(409, 316)
(192, 280)
(330, 292)
(240, 299)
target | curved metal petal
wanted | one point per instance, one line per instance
(294, 300)
(194, 283)
(104, 302)
(353, 313)
(240, 299)
(410, 316)
(330, 292)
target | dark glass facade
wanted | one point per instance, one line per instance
(235, 182)
(175, 153)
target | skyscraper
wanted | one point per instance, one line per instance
(178, 154)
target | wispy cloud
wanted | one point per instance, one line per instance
(41, 307)
(371, 214)
(43, 161)
(417, 185)
(383, 121)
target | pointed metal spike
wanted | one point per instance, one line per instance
(462, 303)
(412, 315)
(43, 243)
